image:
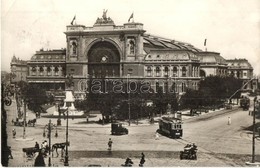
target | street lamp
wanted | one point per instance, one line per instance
(253, 144)
(49, 127)
(68, 105)
(66, 161)
(59, 120)
(129, 114)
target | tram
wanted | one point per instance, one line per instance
(244, 102)
(171, 127)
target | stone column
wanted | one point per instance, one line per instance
(44, 70)
(60, 70)
(52, 70)
(37, 70)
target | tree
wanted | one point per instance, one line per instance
(212, 91)
(34, 95)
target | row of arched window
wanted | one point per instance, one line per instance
(166, 71)
(49, 71)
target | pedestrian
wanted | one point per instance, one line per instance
(39, 161)
(37, 146)
(229, 120)
(142, 160)
(156, 136)
(10, 156)
(14, 133)
(87, 118)
(110, 144)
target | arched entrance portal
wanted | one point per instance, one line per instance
(202, 73)
(104, 60)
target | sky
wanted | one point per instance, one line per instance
(231, 27)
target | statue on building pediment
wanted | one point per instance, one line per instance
(104, 14)
(104, 19)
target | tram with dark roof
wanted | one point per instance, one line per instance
(171, 127)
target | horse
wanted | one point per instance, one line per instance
(62, 146)
(32, 122)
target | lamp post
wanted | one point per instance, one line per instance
(66, 161)
(59, 120)
(49, 127)
(24, 118)
(68, 103)
(253, 144)
(129, 106)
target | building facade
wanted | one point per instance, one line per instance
(19, 70)
(212, 63)
(48, 69)
(120, 52)
(126, 52)
(242, 69)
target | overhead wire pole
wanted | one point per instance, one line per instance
(241, 88)
(24, 119)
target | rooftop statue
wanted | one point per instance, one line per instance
(104, 14)
(104, 19)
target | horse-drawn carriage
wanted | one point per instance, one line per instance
(30, 152)
(190, 152)
(21, 123)
(32, 122)
(18, 123)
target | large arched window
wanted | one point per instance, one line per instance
(166, 71)
(174, 87)
(157, 70)
(56, 70)
(104, 56)
(232, 73)
(174, 71)
(202, 73)
(41, 71)
(184, 71)
(182, 87)
(48, 71)
(33, 71)
(149, 71)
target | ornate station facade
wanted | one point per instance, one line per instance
(107, 51)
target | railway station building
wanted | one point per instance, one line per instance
(108, 51)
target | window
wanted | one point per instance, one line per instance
(48, 71)
(184, 71)
(56, 70)
(166, 71)
(182, 87)
(174, 87)
(157, 70)
(41, 71)
(149, 71)
(174, 71)
(232, 73)
(33, 71)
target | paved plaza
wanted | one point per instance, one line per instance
(88, 144)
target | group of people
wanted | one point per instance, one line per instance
(44, 147)
(128, 161)
(39, 161)
(191, 147)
